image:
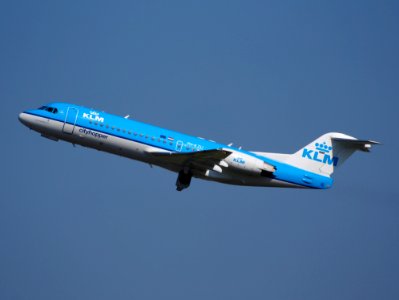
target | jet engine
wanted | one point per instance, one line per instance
(248, 164)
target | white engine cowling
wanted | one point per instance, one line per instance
(248, 164)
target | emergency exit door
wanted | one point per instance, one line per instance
(70, 120)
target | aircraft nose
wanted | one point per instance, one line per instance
(23, 118)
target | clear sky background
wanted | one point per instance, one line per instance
(271, 76)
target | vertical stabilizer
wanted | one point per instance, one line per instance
(328, 151)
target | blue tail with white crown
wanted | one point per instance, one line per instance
(328, 151)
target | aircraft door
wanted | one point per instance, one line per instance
(179, 146)
(70, 120)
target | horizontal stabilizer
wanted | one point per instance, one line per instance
(362, 145)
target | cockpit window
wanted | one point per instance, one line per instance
(49, 109)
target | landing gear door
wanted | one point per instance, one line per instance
(70, 120)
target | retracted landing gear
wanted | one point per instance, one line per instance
(183, 180)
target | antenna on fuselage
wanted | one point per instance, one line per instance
(127, 116)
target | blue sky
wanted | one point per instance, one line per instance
(266, 75)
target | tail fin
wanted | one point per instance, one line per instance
(328, 151)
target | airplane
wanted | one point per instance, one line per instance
(190, 156)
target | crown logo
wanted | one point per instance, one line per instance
(323, 147)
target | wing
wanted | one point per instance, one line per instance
(201, 160)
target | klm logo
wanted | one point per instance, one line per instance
(93, 116)
(321, 154)
(239, 160)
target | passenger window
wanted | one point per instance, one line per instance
(55, 110)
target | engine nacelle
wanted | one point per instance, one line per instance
(248, 164)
